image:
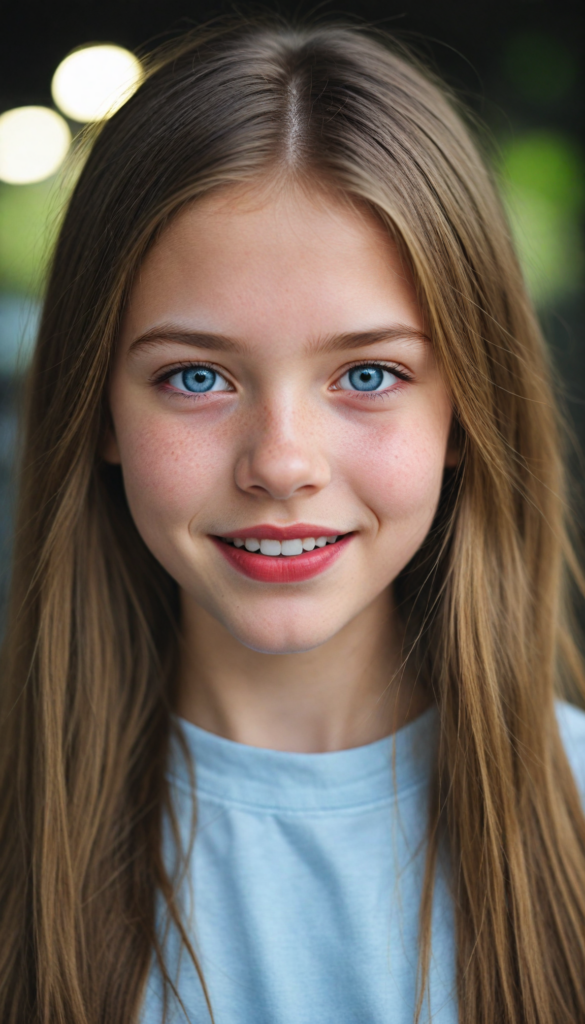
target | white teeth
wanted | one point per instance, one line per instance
(285, 547)
(270, 547)
(292, 547)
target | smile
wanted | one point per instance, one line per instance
(287, 548)
(284, 559)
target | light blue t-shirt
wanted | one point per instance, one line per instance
(304, 883)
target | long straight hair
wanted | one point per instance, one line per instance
(89, 660)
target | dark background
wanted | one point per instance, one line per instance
(469, 40)
(517, 64)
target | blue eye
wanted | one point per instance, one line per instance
(367, 378)
(198, 380)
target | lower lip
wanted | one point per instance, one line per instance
(282, 568)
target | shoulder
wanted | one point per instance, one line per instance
(572, 729)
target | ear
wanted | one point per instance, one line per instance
(109, 450)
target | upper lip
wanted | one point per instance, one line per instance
(265, 531)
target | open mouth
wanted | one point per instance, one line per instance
(286, 560)
(281, 548)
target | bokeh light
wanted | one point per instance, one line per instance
(33, 144)
(94, 81)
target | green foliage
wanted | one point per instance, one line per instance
(29, 216)
(544, 192)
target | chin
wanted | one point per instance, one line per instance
(280, 637)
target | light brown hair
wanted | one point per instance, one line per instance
(89, 659)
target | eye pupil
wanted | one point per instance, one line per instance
(366, 378)
(199, 379)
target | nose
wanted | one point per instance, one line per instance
(282, 456)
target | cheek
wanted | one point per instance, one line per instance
(170, 468)
(397, 469)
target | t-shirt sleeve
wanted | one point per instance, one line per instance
(572, 728)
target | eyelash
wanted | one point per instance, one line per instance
(159, 380)
(404, 376)
(165, 375)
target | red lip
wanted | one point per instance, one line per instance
(265, 531)
(293, 569)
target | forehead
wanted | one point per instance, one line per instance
(285, 265)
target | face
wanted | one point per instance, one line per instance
(279, 417)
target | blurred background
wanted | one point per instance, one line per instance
(516, 63)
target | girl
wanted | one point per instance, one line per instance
(291, 556)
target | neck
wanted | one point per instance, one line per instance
(349, 691)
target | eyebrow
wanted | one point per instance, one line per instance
(331, 343)
(197, 339)
(361, 339)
